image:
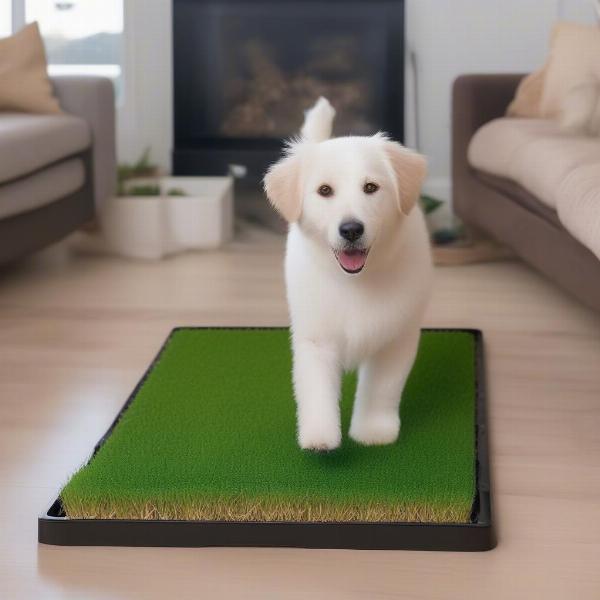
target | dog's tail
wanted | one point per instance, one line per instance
(318, 122)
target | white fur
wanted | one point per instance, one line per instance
(318, 122)
(370, 320)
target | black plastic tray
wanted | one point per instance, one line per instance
(478, 535)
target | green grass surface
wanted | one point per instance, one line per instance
(211, 435)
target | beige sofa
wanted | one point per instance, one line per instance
(528, 184)
(56, 170)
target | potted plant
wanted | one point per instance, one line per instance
(133, 223)
(154, 216)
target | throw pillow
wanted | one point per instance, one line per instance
(574, 59)
(24, 83)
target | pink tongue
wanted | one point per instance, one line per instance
(352, 260)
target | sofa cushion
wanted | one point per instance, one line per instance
(520, 195)
(31, 142)
(578, 204)
(535, 153)
(41, 188)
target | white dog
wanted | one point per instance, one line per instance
(358, 273)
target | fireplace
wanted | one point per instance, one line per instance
(244, 72)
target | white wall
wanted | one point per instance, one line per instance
(450, 37)
(145, 117)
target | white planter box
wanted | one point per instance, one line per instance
(151, 227)
(134, 226)
(203, 217)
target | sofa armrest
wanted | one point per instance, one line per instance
(476, 99)
(93, 99)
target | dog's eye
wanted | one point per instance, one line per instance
(370, 188)
(325, 190)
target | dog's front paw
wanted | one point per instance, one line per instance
(375, 429)
(319, 438)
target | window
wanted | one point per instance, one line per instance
(5, 19)
(82, 37)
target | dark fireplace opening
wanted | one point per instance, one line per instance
(245, 72)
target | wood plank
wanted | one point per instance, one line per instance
(77, 331)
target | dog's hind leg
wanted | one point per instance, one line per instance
(381, 380)
(317, 379)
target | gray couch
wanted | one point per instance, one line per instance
(503, 208)
(56, 170)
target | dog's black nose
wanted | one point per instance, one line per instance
(351, 230)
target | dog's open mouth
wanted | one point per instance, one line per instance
(352, 260)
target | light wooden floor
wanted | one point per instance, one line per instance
(76, 334)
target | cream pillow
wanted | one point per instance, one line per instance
(574, 59)
(24, 83)
(529, 95)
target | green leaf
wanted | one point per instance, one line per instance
(429, 203)
(141, 168)
(143, 190)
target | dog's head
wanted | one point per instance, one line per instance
(346, 192)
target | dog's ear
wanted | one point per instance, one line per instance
(282, 186)
(410, 169)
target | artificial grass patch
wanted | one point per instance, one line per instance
(210, 434)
